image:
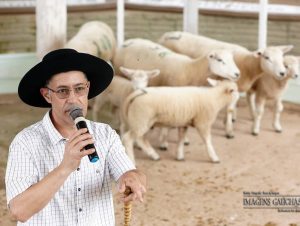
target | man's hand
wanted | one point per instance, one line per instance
(136, 181)
(74, 149)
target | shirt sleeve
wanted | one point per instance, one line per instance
(118, 160)
(21, 171)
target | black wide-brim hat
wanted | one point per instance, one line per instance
(97, 71)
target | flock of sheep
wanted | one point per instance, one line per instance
(191, 78)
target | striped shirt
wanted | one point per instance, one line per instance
(85, 198)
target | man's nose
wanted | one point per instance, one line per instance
(72, 95)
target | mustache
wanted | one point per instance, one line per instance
(72, 106)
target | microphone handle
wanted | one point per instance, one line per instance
(94, 156)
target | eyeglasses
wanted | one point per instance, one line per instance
(63, 93)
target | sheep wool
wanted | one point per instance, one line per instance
(95, 38)
(177, 107)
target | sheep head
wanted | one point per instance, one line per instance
(221, 63)
(292, 64)
(271, 60)
(139, 78)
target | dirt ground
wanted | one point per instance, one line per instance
(196, 192)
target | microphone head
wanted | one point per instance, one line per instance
(75, 112)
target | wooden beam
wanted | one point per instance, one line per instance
(120, 22)
(263, 24)
(190, 16)
(51, 25)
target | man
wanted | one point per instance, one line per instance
(49, 178)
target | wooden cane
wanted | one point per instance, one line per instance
(127, 208)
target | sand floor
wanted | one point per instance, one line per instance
(196, 192)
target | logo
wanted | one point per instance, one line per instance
(271, 200)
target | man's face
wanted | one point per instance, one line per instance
(56, 93)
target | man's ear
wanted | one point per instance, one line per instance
(46, 94)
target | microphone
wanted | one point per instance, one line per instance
(80, 122)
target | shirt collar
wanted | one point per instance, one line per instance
(54, 135)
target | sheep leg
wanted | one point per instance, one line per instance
(100, 100)
(229, 127)
(229, 118)
(96, 107)
(147, 147)
(128, 140)
(181, 142)
(234, 114)
(163, 139)
(122, 127)
(204, 132)
(117, 113)
(277, 112)
(260, 104)
(186, 139)
(251, 103)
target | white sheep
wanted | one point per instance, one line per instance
(194, 45)
(271, 87)
(178, 107)
(120, 88)
(95, 38)
(250, 64)
(254, 65)
(175, 69)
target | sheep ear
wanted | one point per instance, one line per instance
(285, 48)
(212, 82)
(153, 73)
(126, 71)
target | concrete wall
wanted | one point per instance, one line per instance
(17, 31)
(17, 35)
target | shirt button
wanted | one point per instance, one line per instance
(79, 189)
(78, 169)
(97, 171)
(80, 209)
